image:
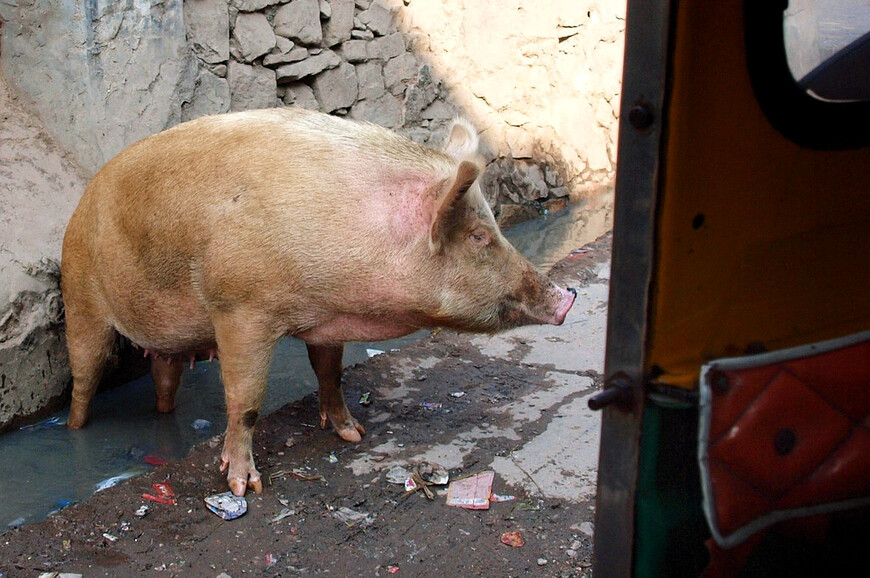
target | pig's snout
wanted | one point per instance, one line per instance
(566, 301)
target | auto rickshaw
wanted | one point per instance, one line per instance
(736, 426)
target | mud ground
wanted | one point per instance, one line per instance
(293, 527)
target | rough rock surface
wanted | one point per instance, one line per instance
(251, 87)
(299, 21)
(550, 93)
(539, 80)
(337, 88)
(39, 188)
(100, 75)
(337, 29)
(254, 35)
(208, 28)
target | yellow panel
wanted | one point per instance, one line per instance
(759, 241)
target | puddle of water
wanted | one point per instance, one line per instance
(46, 466)
(548, 239)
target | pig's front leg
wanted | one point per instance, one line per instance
(326, 361)
(245, 352)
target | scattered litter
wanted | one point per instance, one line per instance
(110, 537)
(527, 505)
(398, 475)
(271, 559)
(142, 511)
(373, 352)
(393, 569)
(115, 480)
(201, 425)
(365, 399)
(433, 473)
(50, 422)
(153, 460)
(471, 493)
(290, 442)
(352, 517)
(16, 523)
(59, 575)
(284, 513)
(227, 505)
(578, 252)
(307, 477)
(163, 494)
(513, 539)
(431, 405)
(297, 473)
(331, 458)
(457, 394)
(502, 498)
(542, 561)
(60, 505)
(424, 475)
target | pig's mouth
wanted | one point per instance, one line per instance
(515, 313)
(567, 297)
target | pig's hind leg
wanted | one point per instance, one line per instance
(90, 341)
(326, 361)
(166, 375)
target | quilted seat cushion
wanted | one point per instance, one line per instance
(783, 435)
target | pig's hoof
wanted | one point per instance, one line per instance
(240, 483)
(75, 420)
(351, 435)
(238, 486)
(345, 425)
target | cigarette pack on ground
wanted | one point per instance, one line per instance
(226, 505)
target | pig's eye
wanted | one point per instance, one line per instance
(479, 238)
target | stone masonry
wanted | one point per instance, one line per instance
(398, 64)
(540, 80)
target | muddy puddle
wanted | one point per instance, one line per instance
(46, 467)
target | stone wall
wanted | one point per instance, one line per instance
(541, 80)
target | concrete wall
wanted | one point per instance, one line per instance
(39, 188)
(540, 79)
(101, 74)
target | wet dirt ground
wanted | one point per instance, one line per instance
(314, 480)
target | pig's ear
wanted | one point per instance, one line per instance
(462, 141)
(451, 205)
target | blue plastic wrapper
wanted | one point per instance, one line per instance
(227, 505)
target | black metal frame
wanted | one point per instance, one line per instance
(637, 181)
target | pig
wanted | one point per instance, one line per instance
(224, 234)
